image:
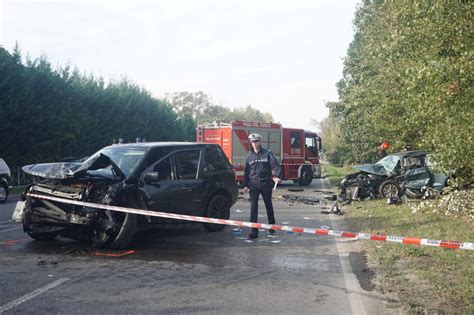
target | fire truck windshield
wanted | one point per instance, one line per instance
(312, 144)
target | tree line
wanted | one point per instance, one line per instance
(49, 115)
(203, 109)
(407, 79)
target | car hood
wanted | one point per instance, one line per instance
(375, 169)
(70, 169)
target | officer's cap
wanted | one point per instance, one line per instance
(255, 137)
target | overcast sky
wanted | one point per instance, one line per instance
(282, 57)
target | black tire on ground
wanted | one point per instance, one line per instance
(42, 236)
(413, 193)
(389, 189)
(306, 176)
(126, 232)
(3, 193)
(218, 208)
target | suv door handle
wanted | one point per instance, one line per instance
(186, 188)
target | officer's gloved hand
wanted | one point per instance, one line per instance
(246, 189)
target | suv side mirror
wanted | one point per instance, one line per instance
(152, 177)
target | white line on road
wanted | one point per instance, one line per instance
(31, 295)
(352, 285)
(3, 222)
(12, 229)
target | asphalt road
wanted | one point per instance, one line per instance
(191, 271)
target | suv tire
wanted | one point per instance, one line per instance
(218, 208)
(389, 189)
(3, 193)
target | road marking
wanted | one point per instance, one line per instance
(8, 230)
(352, 285)
(31, 295)
(3, 222)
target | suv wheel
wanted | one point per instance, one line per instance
(389, 189)
(218, 208)
(3, 193)
(125, 228)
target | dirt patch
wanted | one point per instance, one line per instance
(364, 274)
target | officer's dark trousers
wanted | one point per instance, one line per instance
(264, 188)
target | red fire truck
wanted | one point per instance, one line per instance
(296, 150)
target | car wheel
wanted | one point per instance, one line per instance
(218, 208)
(126, 231)
(42, 236)
(119, 237)
(306, 176)
(389, 189)
(3, 193)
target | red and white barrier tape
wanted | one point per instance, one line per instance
(283, 164)
(288, 228)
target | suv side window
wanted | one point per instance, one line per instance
(216, 159)
(187, 164)
(164, 169)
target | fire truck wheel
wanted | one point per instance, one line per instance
(219, 208)
(306, 176)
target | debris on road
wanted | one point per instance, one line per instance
(115, 253)
(295, 189)
(290, 198)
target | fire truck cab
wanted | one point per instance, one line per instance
(295, 149)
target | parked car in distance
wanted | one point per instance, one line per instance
(5, 181)
(184, 178)
(394, 175)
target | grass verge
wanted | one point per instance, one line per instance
(423, 279)
(335, 174)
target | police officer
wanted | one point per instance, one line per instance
(258, 179)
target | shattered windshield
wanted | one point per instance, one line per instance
(389, 162)
(127, 159)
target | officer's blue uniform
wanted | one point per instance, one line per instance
(258, 178)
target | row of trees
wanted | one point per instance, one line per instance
(407, 79)
(49, 114)
(203, 110)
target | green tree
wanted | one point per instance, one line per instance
(407, 79)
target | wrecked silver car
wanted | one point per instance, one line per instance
(184, 178)
(394, 175)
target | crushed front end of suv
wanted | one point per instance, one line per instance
(394, 175)
(184, 178)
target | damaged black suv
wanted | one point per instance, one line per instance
(184, 178)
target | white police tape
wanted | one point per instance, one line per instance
(295, 229)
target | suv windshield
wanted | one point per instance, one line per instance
(389, 162)
(127, 159)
